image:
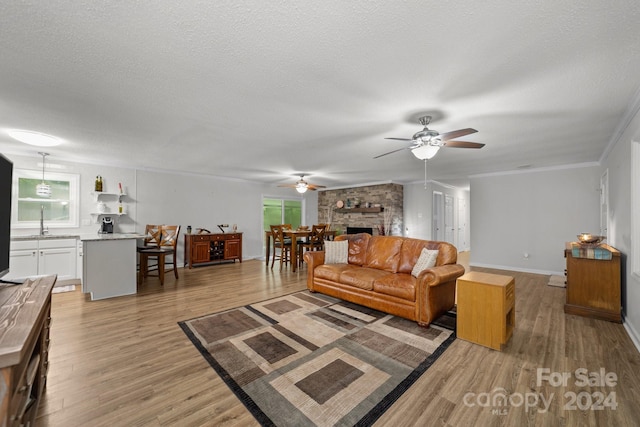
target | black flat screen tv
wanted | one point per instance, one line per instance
(6, 183)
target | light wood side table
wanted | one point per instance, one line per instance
(486, 308)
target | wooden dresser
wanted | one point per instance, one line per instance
(593, 285)
(25, 316)
(211, 248)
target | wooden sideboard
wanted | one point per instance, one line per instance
(25, 312)
(593, 285)
(212, 248)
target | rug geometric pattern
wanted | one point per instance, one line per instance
(312, 360)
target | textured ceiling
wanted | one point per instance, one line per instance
(264, 90)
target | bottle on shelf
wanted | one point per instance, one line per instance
(98, 184)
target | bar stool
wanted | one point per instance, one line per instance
(166, 246)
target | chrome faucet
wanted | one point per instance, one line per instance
(42, 230)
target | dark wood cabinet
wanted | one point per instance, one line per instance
(211, 248)
(25, 312)
(199, 249)
(593, 285)
(233, 248)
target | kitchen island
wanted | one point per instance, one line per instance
(109, 265)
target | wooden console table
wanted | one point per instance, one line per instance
(486, 308)
(593, 285)
(25, 312)
(212, 248)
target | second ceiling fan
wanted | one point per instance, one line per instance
(302, 185)
(426, 143)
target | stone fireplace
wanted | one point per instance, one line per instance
(363, 207)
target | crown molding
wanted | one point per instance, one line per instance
(630, 113)
(534, 170)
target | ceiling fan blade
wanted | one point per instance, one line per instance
(456, 134)
(394, 151)
(314, 187)
(401, 139)
(463, 144)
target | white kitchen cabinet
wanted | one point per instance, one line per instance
(48, 256)
(23, 259)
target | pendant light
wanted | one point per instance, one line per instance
(43, 189)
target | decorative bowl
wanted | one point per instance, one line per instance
(590, 239)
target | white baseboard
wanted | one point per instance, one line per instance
(523, 270)
(633, 334)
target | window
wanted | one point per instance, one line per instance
(281, 211)
(635, 208)
(58, 211)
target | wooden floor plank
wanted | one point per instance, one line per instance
(125, 361)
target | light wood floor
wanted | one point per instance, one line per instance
(125, 361)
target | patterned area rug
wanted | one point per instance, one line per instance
(312, 360)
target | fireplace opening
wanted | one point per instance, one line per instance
(356, 230)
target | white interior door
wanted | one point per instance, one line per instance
(462, 225)
(604, 203)
(438, 216)
(449, 229)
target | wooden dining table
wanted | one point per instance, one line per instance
(294, 235)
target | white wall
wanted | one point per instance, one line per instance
(618, 164)
(111, 177)
(204, 202)
(532, 212)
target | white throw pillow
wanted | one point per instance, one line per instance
(336, 252)
(427, 260)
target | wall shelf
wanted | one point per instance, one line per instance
(96, 195)
(360, 210)
(95, 216)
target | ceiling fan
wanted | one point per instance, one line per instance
(302, 186)
(426, 143)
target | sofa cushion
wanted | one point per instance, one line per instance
(332, 271)
(399, 285)
(336, 252)
(361, 277)
(383, 253)
(357, 246)
(427, 260)
(412, 248)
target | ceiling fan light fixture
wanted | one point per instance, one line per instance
(43, 189)
(425, 152)
(30, 137)
(301, 187)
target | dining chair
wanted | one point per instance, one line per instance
(277, 237)
(151, 239)
(151, 235)
(315, 242)
(167, 246)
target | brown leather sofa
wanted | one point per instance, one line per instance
(378, 276)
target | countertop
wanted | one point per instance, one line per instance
(110, 236)
(83, 237)
(45, 237)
